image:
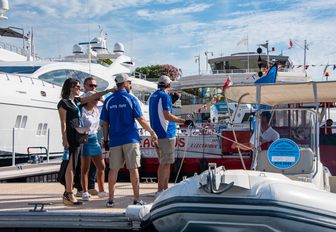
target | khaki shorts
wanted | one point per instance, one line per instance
(129, 153)
(166, 151)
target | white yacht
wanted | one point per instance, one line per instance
(31, 91)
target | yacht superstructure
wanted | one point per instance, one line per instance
(31, 91)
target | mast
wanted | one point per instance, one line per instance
(305, 48)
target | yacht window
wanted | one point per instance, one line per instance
(39, 129)
(24, 122)
(18, 121)
(59, 76)
(19, 69)
(45, 127)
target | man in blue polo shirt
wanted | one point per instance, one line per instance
(122, 135)
(163, 123)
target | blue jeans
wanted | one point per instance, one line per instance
(92, 176)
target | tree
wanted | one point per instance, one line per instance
(155, 71)
(170, 70)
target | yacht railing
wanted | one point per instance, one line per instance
(140, 75)
(251, 70)
(13, 48)
(15, 145)
(23, 77)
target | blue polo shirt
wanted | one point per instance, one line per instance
(158, 102)
(120, 110)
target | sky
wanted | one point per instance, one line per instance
(175, 31)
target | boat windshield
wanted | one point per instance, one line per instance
(298, 125)
(19, 69)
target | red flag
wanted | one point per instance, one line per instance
(227, 83)
(290, 43)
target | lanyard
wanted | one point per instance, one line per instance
(78, 112)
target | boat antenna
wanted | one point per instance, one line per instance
(89, 45)
(305, 48)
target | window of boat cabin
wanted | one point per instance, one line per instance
(298, 125)
(19, 69)
(59, 76)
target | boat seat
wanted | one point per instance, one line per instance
(305, 165)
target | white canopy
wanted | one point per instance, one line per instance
(283, 93)
(217, 80)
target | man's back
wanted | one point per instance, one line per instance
(120, 110)
(158, 102)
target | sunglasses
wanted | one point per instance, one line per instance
(92, 85)
(76, 86)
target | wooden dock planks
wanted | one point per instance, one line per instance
(15, 211)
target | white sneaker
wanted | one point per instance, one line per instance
(103, 194)
(85, 196)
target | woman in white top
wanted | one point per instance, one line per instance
(91, 149)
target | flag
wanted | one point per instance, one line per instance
(290, 43)
(270, 77)
(227, 83)
(243, 41)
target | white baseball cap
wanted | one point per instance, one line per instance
(164, 80)
(121, 78)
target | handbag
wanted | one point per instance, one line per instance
(82, 134)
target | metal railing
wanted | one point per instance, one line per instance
(17, 144)
(46, 148)
(13, 48)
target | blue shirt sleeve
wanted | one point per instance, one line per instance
(166, 102)
(104, 113)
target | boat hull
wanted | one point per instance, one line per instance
(237, 214)
(242, 201)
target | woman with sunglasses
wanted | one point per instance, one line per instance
(69, 112)
(91, 149)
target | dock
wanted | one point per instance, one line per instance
(17, 212)
(28, 170)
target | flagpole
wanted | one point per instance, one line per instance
(248, 55)
(304, 56)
